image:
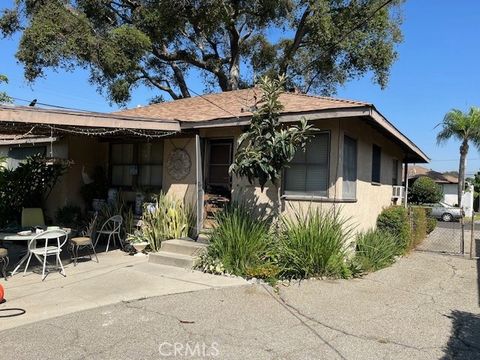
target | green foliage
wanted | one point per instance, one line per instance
(240, 241)
(419, 225)
(169, 219)
(157, 43)
(27, 186)
(465, 127)
(431, 224)
(394, 220)
(267, 146)
(4, 98)
(118, 208)
(69, 216)
(313, 243)
(376, 249)
(424, 191)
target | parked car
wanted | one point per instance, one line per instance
(446, 212)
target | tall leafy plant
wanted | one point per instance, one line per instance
(465, 127)
(4, 98)
(27, 186)
(267, 146)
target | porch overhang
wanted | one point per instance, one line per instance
(40, 121)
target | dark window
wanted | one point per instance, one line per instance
(307, 174)
(349, 188)
(395, 172)
(18, 155)
(137, 164)
(376, 163)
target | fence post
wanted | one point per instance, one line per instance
(472, 235)
(462, 237)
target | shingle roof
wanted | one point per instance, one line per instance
(234, 104)
(417, 171)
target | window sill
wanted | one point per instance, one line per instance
(316, 198)
(374, 183)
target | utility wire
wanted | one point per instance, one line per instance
(50, 105)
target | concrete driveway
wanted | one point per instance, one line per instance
(426, 306)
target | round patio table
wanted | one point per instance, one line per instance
(17, 237)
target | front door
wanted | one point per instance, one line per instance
(219, 159)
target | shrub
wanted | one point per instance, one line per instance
(431, 224)
(394, 220)
(169, 219)
(376, 249)
(312, 243)
(239, 241)
(419, 225)
(425, 191)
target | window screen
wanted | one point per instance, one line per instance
(349, 190)
(307, 173)
(395, 172)
(376, 161)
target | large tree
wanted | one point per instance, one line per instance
(465, 127)
(4, 98)
(318, 44)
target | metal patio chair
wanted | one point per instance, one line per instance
(112, 228)
(84, 241)
(4, 260)
(54, 241)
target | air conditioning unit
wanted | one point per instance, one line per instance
(397, 192)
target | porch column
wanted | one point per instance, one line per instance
(405, 176)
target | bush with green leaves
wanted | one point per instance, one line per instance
(240, 241)
(28, 185)
(69, 216)
(395, 221)
(431, 224)
(424, 191)
(313, 243)
(376, 249)
(419, 225)
(170, 218)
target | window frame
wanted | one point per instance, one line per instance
(310, 195)
(355, 140)
(374, 179)
(137, 162)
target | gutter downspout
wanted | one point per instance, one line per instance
(405, 176)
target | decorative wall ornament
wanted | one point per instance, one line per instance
(179, 164)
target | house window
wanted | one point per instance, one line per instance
(376, 163)
(137, 164)
(395, 172)
(17, 155)
(349, 188)
(307, 173)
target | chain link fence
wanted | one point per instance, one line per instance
(460, 237)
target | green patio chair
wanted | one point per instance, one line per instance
(32, 217)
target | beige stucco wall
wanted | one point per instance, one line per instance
(371, 198)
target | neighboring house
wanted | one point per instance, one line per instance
(448, 183)
(185, 148)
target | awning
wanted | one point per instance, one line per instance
(40, 121)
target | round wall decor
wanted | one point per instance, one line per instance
(179, 164)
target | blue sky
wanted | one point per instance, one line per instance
(438, 69)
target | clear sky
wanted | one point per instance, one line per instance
(437, 69)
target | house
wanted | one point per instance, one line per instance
(185, 148)
(448, 184)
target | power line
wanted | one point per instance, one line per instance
(50, 105)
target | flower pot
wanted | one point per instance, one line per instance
(140, 246)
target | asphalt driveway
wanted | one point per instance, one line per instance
(426, 306)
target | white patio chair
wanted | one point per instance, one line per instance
(112, 228)
(54, 241)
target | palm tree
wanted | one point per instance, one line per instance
(463, 126)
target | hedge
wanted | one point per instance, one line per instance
(395, 220)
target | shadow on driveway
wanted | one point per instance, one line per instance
(464, 342)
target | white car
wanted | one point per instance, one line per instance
(446, 212)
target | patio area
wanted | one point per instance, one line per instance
(117, 277)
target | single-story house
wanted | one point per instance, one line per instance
(448, 183)
(185, 148)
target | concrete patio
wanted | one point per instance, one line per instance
(117, 277)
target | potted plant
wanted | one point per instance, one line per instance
(137, 240)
